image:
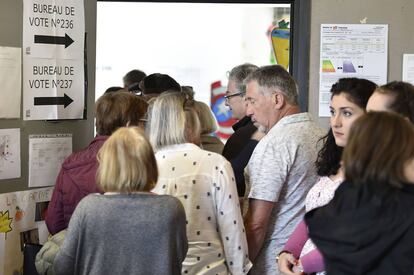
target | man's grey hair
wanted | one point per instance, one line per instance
(275, 77)
(239, 73)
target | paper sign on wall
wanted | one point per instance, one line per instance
(53, 59)
(351, 50)
(22, 217)
(46, 155)
(10, 153)
(408, 68)
(10, 82)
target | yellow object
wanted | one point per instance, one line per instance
(281, 45)
(5, 222)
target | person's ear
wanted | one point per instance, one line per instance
(278, 100)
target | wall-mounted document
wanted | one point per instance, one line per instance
(53, 59)
(10, 82)
(22, 216)
(9, 153)
(408, 68)
(46, 155)
(351, 50)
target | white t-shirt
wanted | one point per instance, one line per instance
(282, 170)
(204, 183)
(321, 193)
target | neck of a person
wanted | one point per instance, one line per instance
(289, 110)
(339, 174)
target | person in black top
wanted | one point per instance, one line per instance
(368, 227)
(239, 147)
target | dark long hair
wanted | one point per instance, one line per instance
(357, 91)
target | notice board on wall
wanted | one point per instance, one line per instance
(22, 216)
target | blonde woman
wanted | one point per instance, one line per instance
(204, 182)
(209, 126)
(127, 230)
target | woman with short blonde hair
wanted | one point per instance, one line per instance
(119, 232)
(125, 168)
(204, 183)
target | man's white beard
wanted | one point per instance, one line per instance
(260, 128)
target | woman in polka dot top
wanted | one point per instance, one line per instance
(204, 183)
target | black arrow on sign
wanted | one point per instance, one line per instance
(57, 40)
(63, 100)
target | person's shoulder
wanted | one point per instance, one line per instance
(272, 139)
(212, 155)
(86, 155)
(166, 199)
(170, 204)
(321, 184)
(91, 200)
(313, 125)
(303, 128)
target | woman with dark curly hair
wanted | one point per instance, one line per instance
(348, 101)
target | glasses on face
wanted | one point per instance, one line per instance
(227, 97)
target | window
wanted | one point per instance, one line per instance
(195, 43)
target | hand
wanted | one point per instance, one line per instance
(286, 263)
(297, 268)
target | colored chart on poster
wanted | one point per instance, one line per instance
(348, 67)
(327, 67)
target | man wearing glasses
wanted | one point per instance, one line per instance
(241, 144)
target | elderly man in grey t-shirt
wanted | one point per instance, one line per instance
(281, 169)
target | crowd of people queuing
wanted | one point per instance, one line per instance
(156, 192)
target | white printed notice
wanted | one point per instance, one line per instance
(408, 68)
(53, 59)
(9, 153)
(351, 50)
(10, 82)
(46, 155)
(22, 217)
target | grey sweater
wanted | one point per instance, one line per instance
(124, 234)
